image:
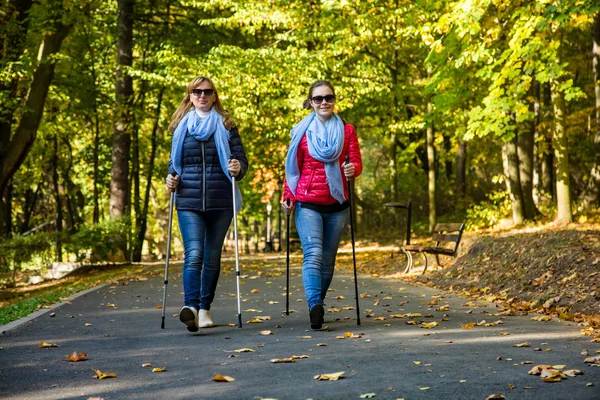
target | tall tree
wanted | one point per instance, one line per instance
(119, 184)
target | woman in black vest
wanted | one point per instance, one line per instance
(206, 152)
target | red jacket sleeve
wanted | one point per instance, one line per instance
(354, 150)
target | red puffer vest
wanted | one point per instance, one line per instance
(312, 185)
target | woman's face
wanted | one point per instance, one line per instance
(202, 99)
(322, 102)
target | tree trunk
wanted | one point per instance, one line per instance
(525, 162)
(431, 175)
(537, 165)
(119, 184)
(448, 162)
(14, 153)
(547, 159)
(57, 199)
(461, 169)
(591, 197)
(510, 163)
(561, 153)
(142, 221)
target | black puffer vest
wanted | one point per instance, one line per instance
(203, 185)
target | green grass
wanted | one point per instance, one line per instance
(29, 302)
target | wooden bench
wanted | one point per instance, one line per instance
(446, 237)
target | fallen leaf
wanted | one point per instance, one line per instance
(330, 377)
(266, 333)
(158, 307)
(417, 362)
(559, 366)
(159, 369)
(468, 326)
(538, 369)
(542, 318)
(424, 388)
(495, 396)
(305, 337)
(524, 344)
(367, 395)
(572, 372)
(88, 324)
(244, 350)
(282, 360)
(222, 378)
(103, 375)
(254, 291)
(76, 357)
(511, 386)
(589, 360)
(429, 325)
(551, 379)
(146, 365)
(45, 345)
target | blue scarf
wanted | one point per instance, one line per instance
(325, 144)
(203, 129)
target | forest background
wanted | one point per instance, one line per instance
(472, 110)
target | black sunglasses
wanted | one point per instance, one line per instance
(207, 92)
(330, 98)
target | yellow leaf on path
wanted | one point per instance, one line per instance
(321, 344)
(146, 365)
(273, 302)
(495, 396)
(282, 360)
(551, 379)
(252, 310)
(429, 325)
(572, 372)
(504, 333)
(379, 319)
(542, 318)
(103, 375)
(76, 357)
(159, 369)
(424, 388)
(511, 386)
(300, 357)
(365, 295)
(305, 337)
(88, 324)
(222, 378)
(352, 335)
(524, 344)
(417, 362)
(415, 315)
(266, 333)
(468, 326)
(45, 345)
(244, 350)
(339, 298)
(550, 373)
(398, 316)
(592, 360)
(559, 366)
(538, 369)
(158, 307)
(111, 305)
(254, 291)
(330, 377)
(463, 381)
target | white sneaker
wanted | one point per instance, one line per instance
(204, 320)
(189, 316)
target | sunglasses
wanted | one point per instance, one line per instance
(330, 98)
(207, 92)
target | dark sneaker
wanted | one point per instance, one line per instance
(189, 316)
(316, 316)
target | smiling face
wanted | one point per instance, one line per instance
(319, 102)
(202, 102)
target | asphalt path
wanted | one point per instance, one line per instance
(118, 326)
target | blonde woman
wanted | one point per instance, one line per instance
(205, 153)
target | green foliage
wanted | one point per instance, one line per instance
(24, 249)
(102, 241)
(488, 213)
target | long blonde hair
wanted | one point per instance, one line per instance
(186, 105)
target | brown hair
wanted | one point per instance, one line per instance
(306, 103)
(186, 105)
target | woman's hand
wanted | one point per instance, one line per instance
(348, 170)
(172, 182)
(234, 167)
(287, 207)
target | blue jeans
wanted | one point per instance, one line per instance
(320, 235)
(203, 234)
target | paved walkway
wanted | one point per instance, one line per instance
(119, 328)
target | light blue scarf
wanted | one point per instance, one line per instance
(325, 144)
(203, 129)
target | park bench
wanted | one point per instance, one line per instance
(446, 237)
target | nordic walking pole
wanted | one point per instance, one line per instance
(237, 261)
(171, 203)
(287, 279)
(353, 249)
